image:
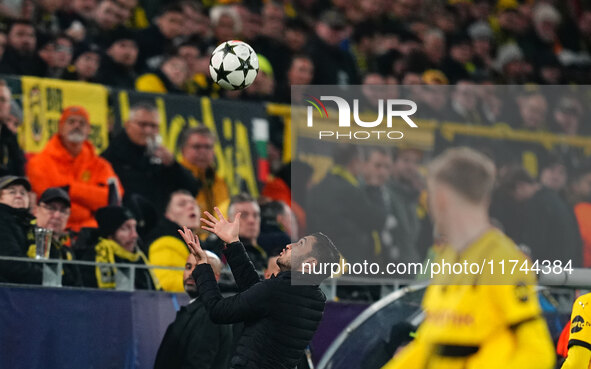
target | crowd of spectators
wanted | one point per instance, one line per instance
(160, 46)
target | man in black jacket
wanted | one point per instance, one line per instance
(145, 168)
(193, 340)
(15, 220)
(118, 63)
(12, 158)
(280, 318)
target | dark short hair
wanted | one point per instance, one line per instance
(272, 209)
(16, 22)
(324, 250)
(177, 192)
(200, 130)
(171, 8)
(240, 198)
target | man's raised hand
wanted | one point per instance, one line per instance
(194, 246)
(225, 230)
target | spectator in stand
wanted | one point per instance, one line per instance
(567, 116)
(263, 87)
(297, 33)
(277, 226)
(512, 66)
(3, 42)
(117, 66)
(196, 20)
(19, 56)
(404, 191)
(166, 246)
(15, 221)
(579, 196)
(144, 167)
(226, 24)
(193, 340)
(106, 18)
(14, 120)
(87, 59)
(553, 174)
(333, 66)
(300, 72)
(12, 158)
(354, 223)
(533, 108)
(52, 213)
(61, 56)
(155, 40)
(250, 229)
(69, 161)
(199, 81)
(171, 77)
(198, 156)
(116, 243)
(291, 190)
(548, 227)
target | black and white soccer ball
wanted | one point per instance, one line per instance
(234, 65)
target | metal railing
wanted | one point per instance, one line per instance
(125, 276)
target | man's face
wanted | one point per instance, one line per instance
(301, 72)
(22, 38)
(184, 211)
(126, 235)
(288, 222)
(465, 95)
(554, 177)
(533, 111)
(5, 98)
(294, 254)
(63, 53)
(191, 56)
(198, 150)
(84, 7)
(378, 168)
(188, 281)
(142, 127)
(107, 15)
(250, 219)
(87, 65)
(75, 129)
(124, 52)
(295, 39)
(195, 22)
(406, 165)
(171, 24)
(582, 187)
(330, 35)
(53, 215)
(176, 71)
(224, 30)
(15, 196)
(568, 120)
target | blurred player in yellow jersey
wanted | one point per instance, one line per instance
(483, 321)
(579, 341)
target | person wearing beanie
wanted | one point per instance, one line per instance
(69, 161)
(170, 77)
(119, 61)
(86, 62)
(117, 243)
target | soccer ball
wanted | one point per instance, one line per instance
(233, 65)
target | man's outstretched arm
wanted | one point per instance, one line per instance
(242, 268)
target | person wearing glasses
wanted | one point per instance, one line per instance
(146, 168)
(69, 161)
(52, 212)
(15, 221)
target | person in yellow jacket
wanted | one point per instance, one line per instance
(171, 77)
(482, 320)
(166, 247)
(579, 341)
(198, 156)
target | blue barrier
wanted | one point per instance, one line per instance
(65, 328)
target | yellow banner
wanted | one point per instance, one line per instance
(43, 102)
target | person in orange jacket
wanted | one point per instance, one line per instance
(69, 161)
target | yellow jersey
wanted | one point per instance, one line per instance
(483, 320)
(579, 341)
